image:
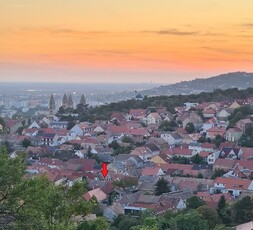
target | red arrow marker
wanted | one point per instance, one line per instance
(104, 170)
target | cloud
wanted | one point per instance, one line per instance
(249, 25)
(172, 32)
(227, 51)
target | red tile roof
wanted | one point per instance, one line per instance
(148, 171)
(178, 151)
(233, 183)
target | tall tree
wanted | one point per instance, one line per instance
(161, 186)
(37, 203)
(221, 205)
(192, 221)
(243, 210)
(190, 128)
(209, 215)
(194, 202)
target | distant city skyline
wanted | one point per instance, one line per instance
(156, 41)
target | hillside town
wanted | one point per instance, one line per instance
(201, 150)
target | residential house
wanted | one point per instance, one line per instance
(189, 105)
(154, 149)
(233, 134)
(237, 172)
(211, 158)
(224, 113)
(30, 132)
(244, 124)
(113, 211)
(173, 139)
(144, 153)
(209, 112)
(137, 114)
(231, 153)
(154, 118)
(195, 147)
(195, 119)
(159, 159)
(12, 125)
(210, 124)
(59, 124)
(232, 185)
(138, 133)
(225, 164)
(98, 193)
(152, 171)
(117, 132)
(247, 153)
(212, 200)
(81, 128)
(235, 105)
(179, 152)
(215, 131)
(208, 147)
(159, 142)
(34, 125)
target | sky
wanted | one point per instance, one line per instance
(161, 41)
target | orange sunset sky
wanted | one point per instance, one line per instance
(124, 41)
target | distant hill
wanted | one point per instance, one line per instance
(240, 80)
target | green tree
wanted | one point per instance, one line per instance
(115, 145)
(37, 203)
(161, 186)
(26, 142)
(168, 126)
(197, 159)
(209, 215)
(190, 128)
(20, 130)
(98, 224)
(200, 175)
(194, 202)
(242, 210)
(127, 139)
(218, 173)
(218, 140)
(126, 182)
(221, 205)
(124, 222)
(188, 221)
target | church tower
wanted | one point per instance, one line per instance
(70, 102)
(82, 100)
(65, 102)
(52, 105)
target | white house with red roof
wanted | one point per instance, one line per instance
(232, 185)
(209, 112)
(153, 118)
(152, 171)
(138, 114)
(233, 134)
(210, 123)
(213, 132)
(144, 153)
(179, 152)
(244, 124)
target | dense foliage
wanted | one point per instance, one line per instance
(170, 102)
(36, 203)
(162, 186)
